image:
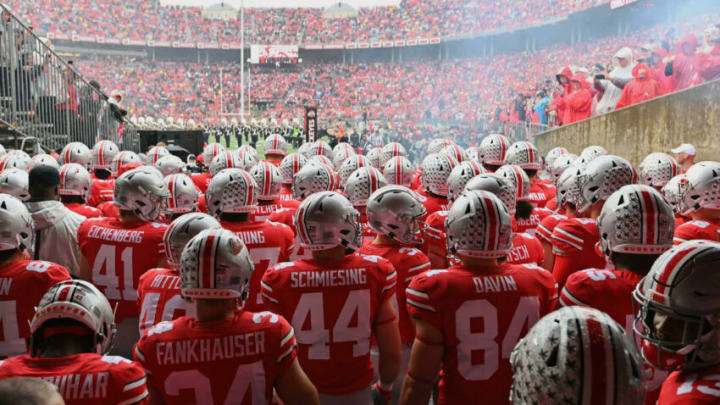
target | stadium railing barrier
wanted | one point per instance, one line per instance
(42, 96)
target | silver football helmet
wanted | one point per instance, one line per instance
(183, 194)
(657, 168)
(80, 301)
(473, 153)
(492, 150)
(290, 165)
(312, 179)
(326, 220)
(437, 145)
(345, 147)
(555, 153)
(16, 161)
(275, 145)
(123, 158)
(16, 183)
(436, 169)
(399, 170)
(155, 154)
(396, 212)
(170, 164)
(321, 160)
(267, 177)
(181, 230)
(362, 183)
(478, 225)
(459, 177)
(678, 313)
(391, 150)
(231, 190)
(525, 155)
(703, 187)
(76, 152)
(573, 356)
(601, 177)
(43, 159)
(103, 154)
(304, 150)
(373, 157)
(567, 190)
(350, 165)
(591, 152)
(209, 152)
(248, 149)
(636, 219)
(517, 176)
(141, 191)
(455, 152)
(16, 224)
(341, 155)
(75, 180)
(321, 148)
(674, 192)
(559, 164)
(215, 264)
(224, 160)
(498, 185)
(246, 158)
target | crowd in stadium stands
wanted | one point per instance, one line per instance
(411, 19)
(504, 87)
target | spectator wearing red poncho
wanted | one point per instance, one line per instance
(643, 87)
(559, 101)
(579, 101)
(683, 67)
(709, 63)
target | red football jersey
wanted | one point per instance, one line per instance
(22, 285)
(701, 387)
(266, 208)
(574, 243)
(679, 221)
(547, 226)
(368, 234)
(333, 310)
(119, 254)
(109, 210)
(482, 316)
(540, 193)
(432, 203)
(234, 360)
(84, 210)
(529, 225)
(159, 298)
(102, 190)
(285, 216)
(408, 262)
(707, 230)
(201, 180)
(551, 204)
(434, 236)
(416, 181)
(85, 378)
(268, 243)
(525, 249)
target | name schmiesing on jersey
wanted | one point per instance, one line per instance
(328, 278)
(115, 235)
(210, 349)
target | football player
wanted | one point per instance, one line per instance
(75, 152)
(700, 202)
(657, 169)
(574, 239)
(289, 167)
(202, 180)
(358, 188)
(22, 282)
(159, 297)
(276, 148)
(75, 186)
(526, 217)
(337, 301)
(434, 190)
(269, 185)
(677, 318)
(673, 192)
(525, 155)
(555, 170)
(119, 251)
(72, 330)
(576, 356)
(395, 214)
(103, 184)
(222, 354)
(399, 170)
(182, 196)
(231, 197)
(450, 305)
(636, 226)
(492, 151)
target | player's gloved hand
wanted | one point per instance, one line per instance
(381, 396)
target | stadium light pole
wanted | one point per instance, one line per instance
(242, 59)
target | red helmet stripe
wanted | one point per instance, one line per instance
(268, 179)
(503, 148)
(373, 181)
(250, 189)
(100, 154)
(673, 163)
(300, 215)
(650, 218)
(62, 177)
(172, 202)
(491, 236)
(275, 143)
(597, 365)
(67, 154)
(296, 164)
(669, 270)
(166, 239)
(398, 171)
(207, 261)
(62, 295)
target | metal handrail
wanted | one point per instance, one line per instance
(43, 96)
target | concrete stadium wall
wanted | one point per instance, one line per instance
(658, 125)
